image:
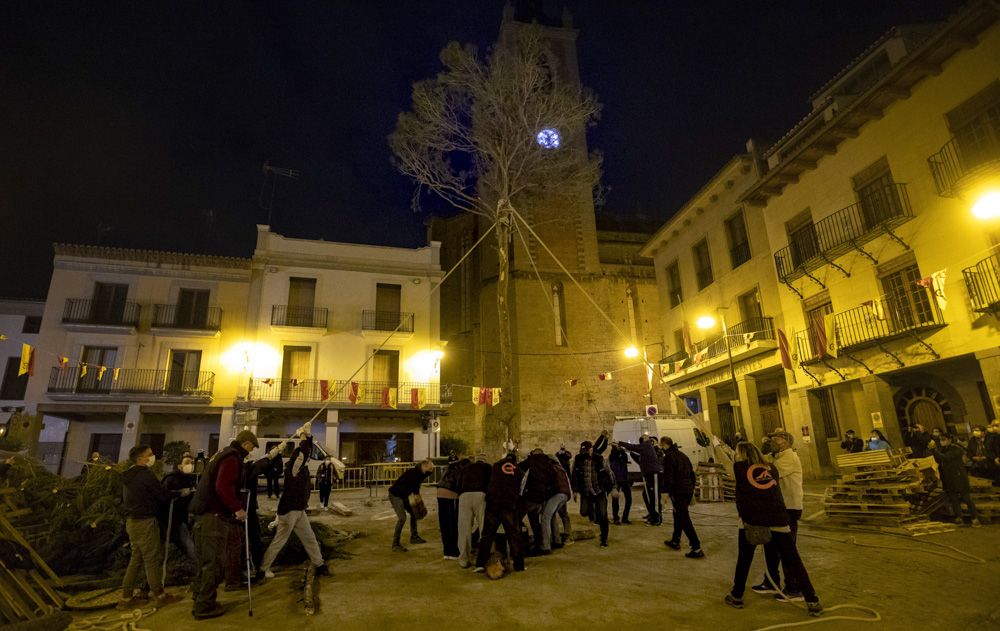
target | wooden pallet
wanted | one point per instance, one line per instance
(865, 509)
(913, 529)
(870, 458)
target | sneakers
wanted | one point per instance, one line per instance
(790, 597)
(695, 554)
(616, 521)
(416, 539)
(322, 570)
(214, 611)
(734, 602)
(815, 608)
(398, 548)
(135, 602)
(604, 544)
(165, 599)
(959, 521)
(448, 557)
(479, 569)
(673, 545)
(268, 573)
(763, 588)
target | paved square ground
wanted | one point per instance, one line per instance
(915, 583)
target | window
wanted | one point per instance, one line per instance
(213, 444)
(388, 300)
(739, 242)
(108, 445)
(908, 303)
(702, 264)
(878, 197)
(183, 371)
(802, 239)
(32, 324)
(301, 301)
(108, 305)
(770, 411)
(385, 368)
(96, 357)
(817, 329)
(976, 127)
(367, 447)
(674, 284)
(13, 385)
(828, 412)
(559, 313)
(154, 442)
(750, 308)
(192, 308)
(296, 367)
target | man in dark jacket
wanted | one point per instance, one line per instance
(217, 507)
(144, 497)
(555, 507)
(618, 460)
(918, 441)
(954, 477)
(650, 467)
(502, 495)
(447, 501)
(326, 473)
(977, 453)
(273, 476)
(292, 515)
(851, 443)
(472, 483)
(539, 482)
(680, 480)
(592, 481)
(565, 457)
(406, 485)
(181, 478)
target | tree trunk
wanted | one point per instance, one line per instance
(506, 412)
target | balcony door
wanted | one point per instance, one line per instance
(909, 304)
(192, 309)
(95, 357)
(877, 195)
(296, 367)
(184, 371)
(301, 301)
(385, 368)
(803, 241)
(108, 305)
(388, 304)
(751, 310)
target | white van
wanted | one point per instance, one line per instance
(688, 438)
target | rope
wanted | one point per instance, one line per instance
(113, 621)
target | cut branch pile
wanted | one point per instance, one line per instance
(886, 492)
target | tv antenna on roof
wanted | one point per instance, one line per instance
(271, 175)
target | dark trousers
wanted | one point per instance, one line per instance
(625, 488)
(211, 536)
(272, 485)
(956, 498)
(507, 517)
(448, 522)
(597, 507)
(772, 555)
(256, 545)
(534, 512)
(789, 557)
(402, 507)
(324, 494)
(235, 565)
(651, 495)
(682, 519)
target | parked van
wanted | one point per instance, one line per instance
(685, 434)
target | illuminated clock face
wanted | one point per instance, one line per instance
(548, 138)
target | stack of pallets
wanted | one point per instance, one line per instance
(25, 594)
(714, 484)
(987, 499)
(884, 491)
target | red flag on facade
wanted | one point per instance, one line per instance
(817, 337)
(605, 376)
(484, 396)
(352, 392)
(416, 398)
(786, 357)
(324, 389)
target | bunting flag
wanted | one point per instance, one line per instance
(571, 382)
(830, 332)
(100, 372)
(27, 366)
(83, 370)
(356, 393)
(494, 396)
(604, 376)
(294, 382)
(324, 389)
(700, 355)
(114, 374)
(748, 337)
(876, 307)
(417, 398)
(937, 285)
(63, 362)
(388, 397)
(786, 357)
(268, 382)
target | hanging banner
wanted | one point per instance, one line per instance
(324, 389)
(417, 398)
(937, 285)
(605, 376)
(388, 397)
(356, 393)
(830, 332)
(27, 366)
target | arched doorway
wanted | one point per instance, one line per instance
(924, 406)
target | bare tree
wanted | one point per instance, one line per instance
(491, 135)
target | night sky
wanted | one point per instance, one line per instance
(146, 124)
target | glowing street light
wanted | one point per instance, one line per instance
(988, 206)
(705, 322)
(631, 352)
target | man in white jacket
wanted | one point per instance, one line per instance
(789, 467)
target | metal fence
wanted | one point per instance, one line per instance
(386, 321)
(172, 317)
(380, 474)
(285, 315)
(83, 311)
(131, 381)
(983, 282)
(400, 394)
(957, 159)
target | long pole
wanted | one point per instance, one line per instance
(737, 412)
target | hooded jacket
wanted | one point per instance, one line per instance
(678, 474)
(474, 478)
(758, 496)
(540, 478)
(951, 466)
(505, 484)
(142, 493)
(298, 483)
(789, 468)
(618, 459)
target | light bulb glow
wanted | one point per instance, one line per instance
(548, 138)
(631, 352)
(988, 206)
(706, 322)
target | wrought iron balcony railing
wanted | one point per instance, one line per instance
(173, 317)
(877, 212)
(131, 381)
(84, 311)
(961, 159)
(741, 334)
(739, 254)
(377, 393)
(386, 321)
(285, 315)
(982, 280)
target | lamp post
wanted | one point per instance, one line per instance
(707, 322)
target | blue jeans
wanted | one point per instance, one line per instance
(549, 512)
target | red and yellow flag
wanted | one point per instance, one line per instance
(27, 366)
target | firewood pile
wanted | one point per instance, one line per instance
(884, 491)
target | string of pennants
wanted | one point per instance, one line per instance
(358, 393)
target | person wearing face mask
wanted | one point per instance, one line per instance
(977, 453)
(181, 478)
(144, 497)
(954, 477)
(877, 441)
(325, 475)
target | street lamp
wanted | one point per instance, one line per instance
(631, 352)
(987, 206)
(707, 322)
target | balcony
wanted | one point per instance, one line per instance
(958, 163)
(370, 393)
(111, 317)
(739, 254)
(878, 212)
(130, 383)
(751, 337)
(982, 281)
(204, 321)
(872, 324)
(385, 321)
(301, 317)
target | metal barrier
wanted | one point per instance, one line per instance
(380, 474)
